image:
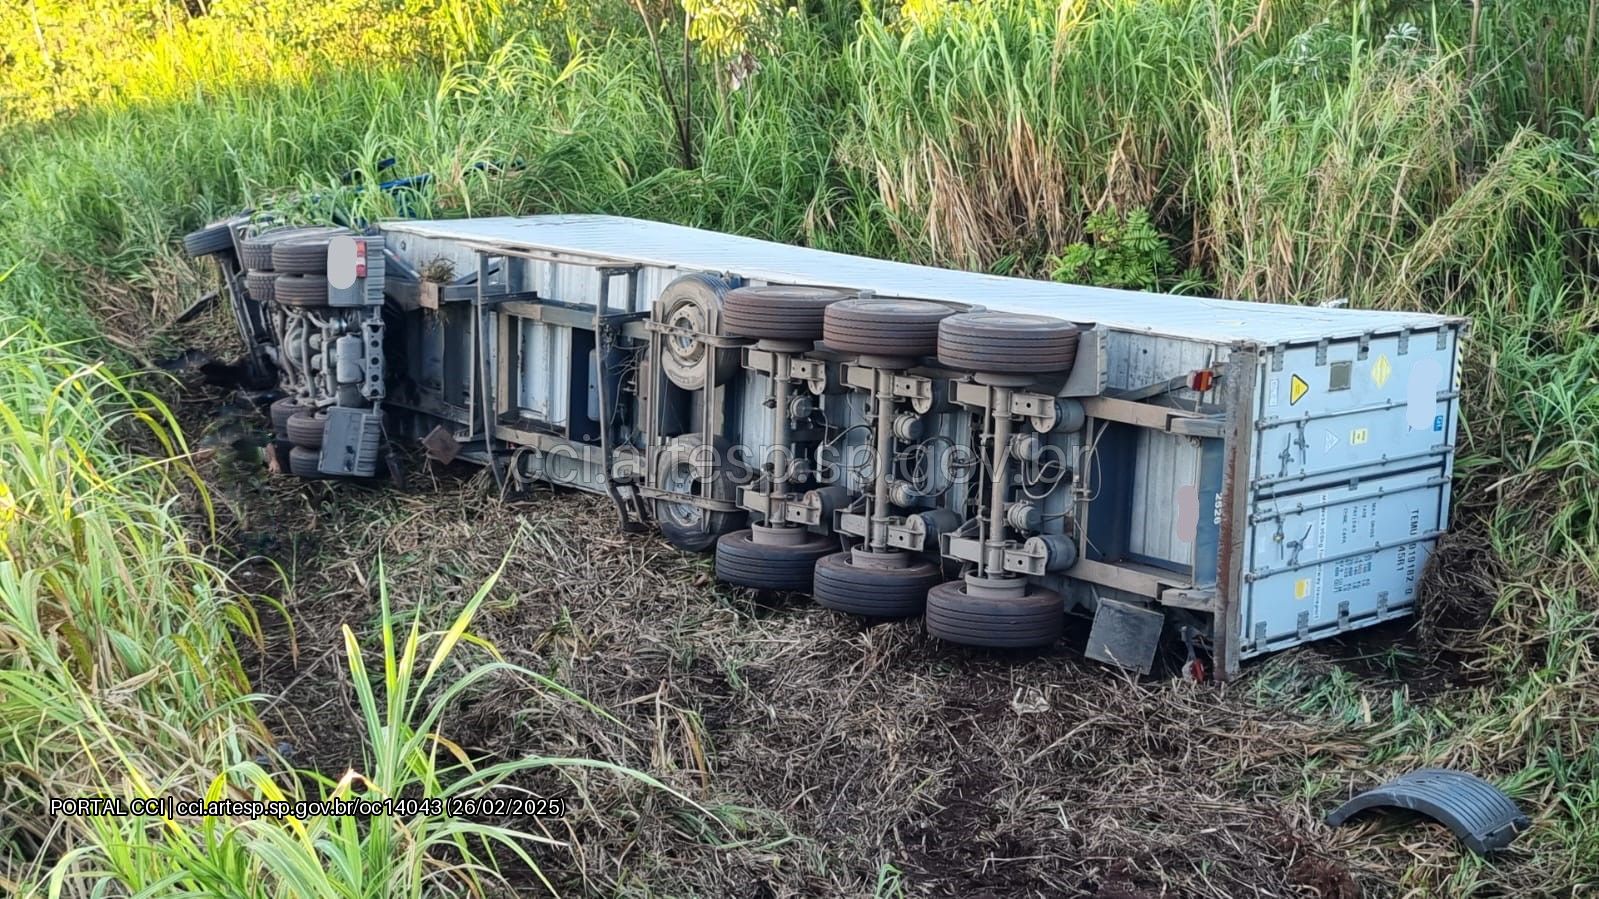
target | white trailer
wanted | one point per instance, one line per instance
(893, 438)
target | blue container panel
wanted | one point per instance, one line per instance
(1338, 558)
(1353, 451)
(1352, 408)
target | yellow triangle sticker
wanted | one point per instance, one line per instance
(1297, 388)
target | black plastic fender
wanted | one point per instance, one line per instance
(1482, 816)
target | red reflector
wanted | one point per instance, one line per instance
(1202, 380)
(360, 259)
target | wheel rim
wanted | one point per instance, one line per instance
(682, 478)
(686, 348)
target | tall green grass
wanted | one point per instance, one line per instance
(118, 668)
(426, 849)
(120, 678)
(1400, 155)
(997, 129)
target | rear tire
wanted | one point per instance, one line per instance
(304, 429)
(255, 252)
(764, 566)
(281, 411)
(214, 238)
(874, 592)
(305, 463)
(777, 312)
(1007, 342)
(255, 255)
(301, 255)
(261, 286)
(300, 290)
(1033, 619)
(907, 328)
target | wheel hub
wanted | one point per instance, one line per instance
(996, 587)
(682, 478)
(778, 535)
(865, 558)
(686, 321)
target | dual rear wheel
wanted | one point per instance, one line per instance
(299, 430)
(892, 585)
(781, 556)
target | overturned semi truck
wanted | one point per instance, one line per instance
(896, 440)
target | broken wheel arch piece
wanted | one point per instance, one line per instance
(1478, 813)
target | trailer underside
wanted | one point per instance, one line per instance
(896, 440)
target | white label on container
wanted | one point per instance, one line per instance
(1421, 393)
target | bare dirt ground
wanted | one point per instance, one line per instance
(827, 756)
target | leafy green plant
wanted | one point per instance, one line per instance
(120, 677)
(1121, 251)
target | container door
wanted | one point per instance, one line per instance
(1354, 447)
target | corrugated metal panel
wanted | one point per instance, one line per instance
(544, 370)
(1166, 473)
(1165, 480)
(674, 246)
(1138, 360)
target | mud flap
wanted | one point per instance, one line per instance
(1125, 634)
(1484, 818)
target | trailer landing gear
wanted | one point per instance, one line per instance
(305, 429)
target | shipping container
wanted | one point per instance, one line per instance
(1243, 477)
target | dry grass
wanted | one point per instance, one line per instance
(838, 759)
